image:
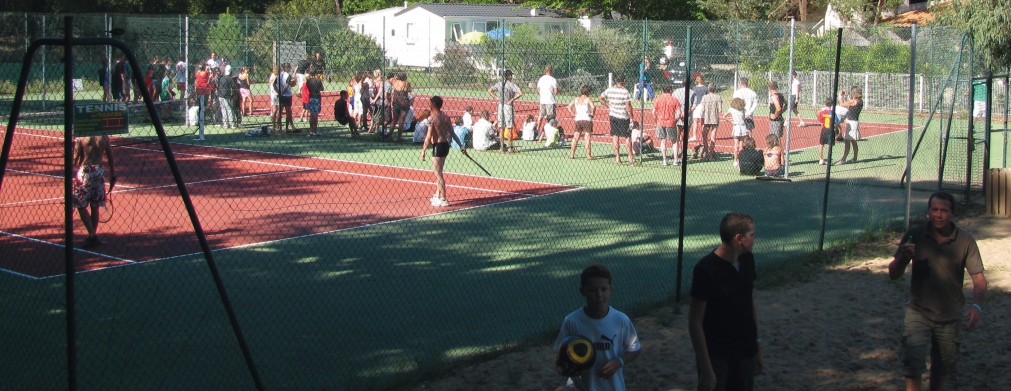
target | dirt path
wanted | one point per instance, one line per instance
(837, 331)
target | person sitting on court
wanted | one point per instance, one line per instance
(751, 159)
(462, 133)
(775, 159)
(529, 129)
(421, 126)
(343, 115)
(552, 133)
(485, 136)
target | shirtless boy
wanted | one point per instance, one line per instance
(89, 186)
(439, 133)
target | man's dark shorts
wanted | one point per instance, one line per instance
(619, 127)
(441, 149)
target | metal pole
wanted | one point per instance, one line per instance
(789, 101)
(1007, 81)
(43, 65)
(684, 171)
(970, 139)
(828, 167)
(909, 126)
(69, 269)
(987, 127)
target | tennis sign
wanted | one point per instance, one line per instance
(96, 119)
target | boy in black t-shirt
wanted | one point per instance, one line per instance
(722, 320)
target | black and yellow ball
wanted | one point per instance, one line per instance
(576, 354)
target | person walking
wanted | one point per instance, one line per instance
(722, 314)
(941, 254)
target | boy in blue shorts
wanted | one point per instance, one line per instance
(611, 331)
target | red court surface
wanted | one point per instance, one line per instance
(241, 197)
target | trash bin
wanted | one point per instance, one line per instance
(998, 192)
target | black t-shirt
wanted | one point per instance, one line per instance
(772, 107)
(729, 321)
(303, 66)
(751, 161)
(854, 112)
(315, 87)
(697, 93)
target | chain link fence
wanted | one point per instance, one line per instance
(341, 273)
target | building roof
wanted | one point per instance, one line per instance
(483, 10)
(906, 19)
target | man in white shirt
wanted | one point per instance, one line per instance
(547, 87)
(212, 63)
(750, 98)
(181, 76)
(485, 136)
(795, 98)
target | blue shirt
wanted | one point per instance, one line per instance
(461, 133)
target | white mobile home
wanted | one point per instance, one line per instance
(413, 35)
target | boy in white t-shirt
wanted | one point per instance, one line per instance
(529, 129)
(468, 118)
(611, 331)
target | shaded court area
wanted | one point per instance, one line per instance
(242, 198)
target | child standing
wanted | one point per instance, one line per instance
(736, 116)
(827, 129)
(611, 331)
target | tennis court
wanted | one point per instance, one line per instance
(271, 197)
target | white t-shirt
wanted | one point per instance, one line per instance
(750, 98)
(484, 135)
(420, 131)
(546, 86)
(468, 121)
(528, 131)
(211, 63)
(612, 335)
(795, 87)
(737, 118)
(181, 72)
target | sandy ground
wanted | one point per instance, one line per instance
(838, 329)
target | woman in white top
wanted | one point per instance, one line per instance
(272, 82)
(582, 110)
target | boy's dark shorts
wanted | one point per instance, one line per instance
(827, 136)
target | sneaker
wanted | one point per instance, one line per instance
(821, 162)
(801, 124)
(737, 163)
(841, 162)
(676, 163)
(664, 163)
(442, 202)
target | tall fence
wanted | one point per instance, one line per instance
(345, 274)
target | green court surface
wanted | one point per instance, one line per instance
(379, 305)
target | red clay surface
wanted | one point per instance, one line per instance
(241, 198)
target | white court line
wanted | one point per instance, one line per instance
(126, 261)
(292, 166)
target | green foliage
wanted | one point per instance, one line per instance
(619, 52)
(348, 52)
(225, 37)
(818, 53)
(986, 21)
(301, 8)
(457, 65)
(628, 9)
(744, 9)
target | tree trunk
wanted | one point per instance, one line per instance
(802, 9)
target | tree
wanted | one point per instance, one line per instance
(628, 9)
(986, 21)
(225, 37)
